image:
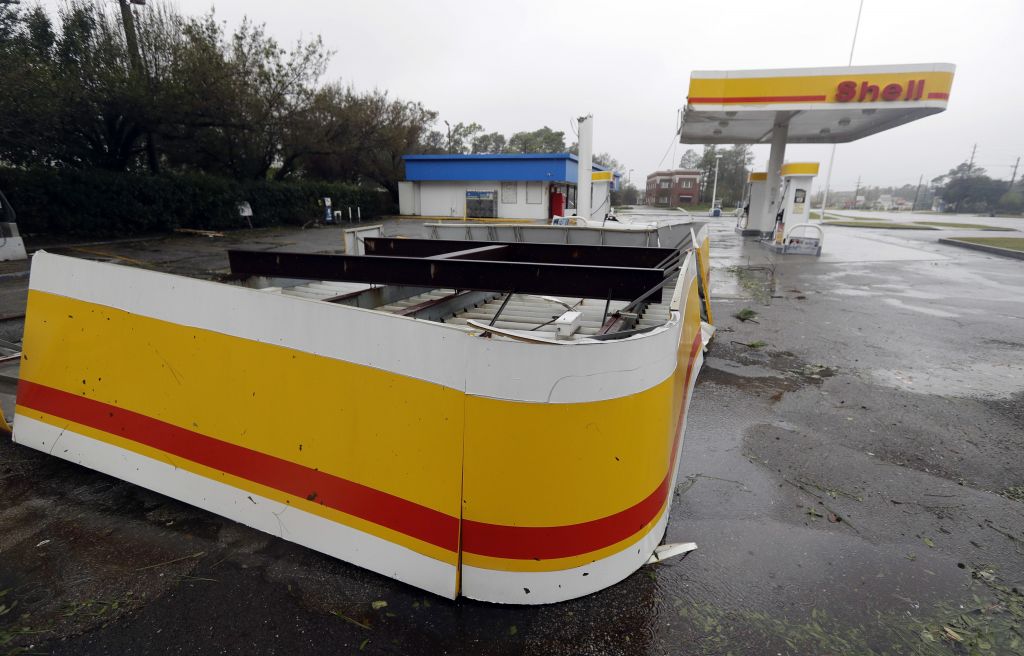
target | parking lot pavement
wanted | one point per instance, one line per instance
(851, 472)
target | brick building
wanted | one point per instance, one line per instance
(673, 187)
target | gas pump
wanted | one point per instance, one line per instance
(793, 232)
(756, 182)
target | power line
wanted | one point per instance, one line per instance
(832, 157)
(669, 149)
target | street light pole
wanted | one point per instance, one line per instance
(714, 188)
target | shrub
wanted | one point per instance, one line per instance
(98, 203)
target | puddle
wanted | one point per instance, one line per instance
(852, 291)
(933, 312)
(745, 370)
(978, 379)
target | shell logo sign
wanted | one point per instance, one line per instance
(850, 91)
(925, 83)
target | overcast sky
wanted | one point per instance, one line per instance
(520, 65)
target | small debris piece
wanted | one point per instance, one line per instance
(43, 543)
(512, 630)
(205, 233)
(352, 621)
(380, 603)
(929, 542)
(746, 314)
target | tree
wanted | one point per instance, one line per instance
(628, 195)
(544, 140)
(30, 117)
(690, 159)
(967, 188)
(493, 142)
(101, 102)
(402, 128)
(238, 99)
(609, 162)
(732, 172)
(462, 137)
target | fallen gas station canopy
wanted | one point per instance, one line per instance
(418, 412)
(823, 105)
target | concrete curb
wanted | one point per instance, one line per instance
(996, 250)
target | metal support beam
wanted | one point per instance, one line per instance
(579, 254)
(556, 279)
(441, 308)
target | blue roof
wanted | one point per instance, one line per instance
(545, 167)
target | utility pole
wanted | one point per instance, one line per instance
(130, 36)
(1013, 178)
(920, 179)
(138, 72)
(832, 157)
(970, 165)
(856, 191)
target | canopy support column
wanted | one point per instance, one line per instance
(765, 220)
(583, 184)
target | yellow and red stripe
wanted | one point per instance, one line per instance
(506, 485)
(787, 89)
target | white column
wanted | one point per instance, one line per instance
(765, 220)
(586, 167)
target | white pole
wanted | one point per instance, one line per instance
(586, 166)
(832, 157)
(714, 188)
(359, 213)
(828, 180)
(350, 213)
(765, 222)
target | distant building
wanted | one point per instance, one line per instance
(507, 186)
(673, 187)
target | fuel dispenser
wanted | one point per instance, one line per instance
(756, 185)
(793, 233)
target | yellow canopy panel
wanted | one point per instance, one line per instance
(799, 168)
(824, 105)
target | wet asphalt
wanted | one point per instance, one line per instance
(852, 472)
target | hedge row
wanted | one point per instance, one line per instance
(97, 203)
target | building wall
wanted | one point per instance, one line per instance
(521, 209)
(449, 198)
(677, 191)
